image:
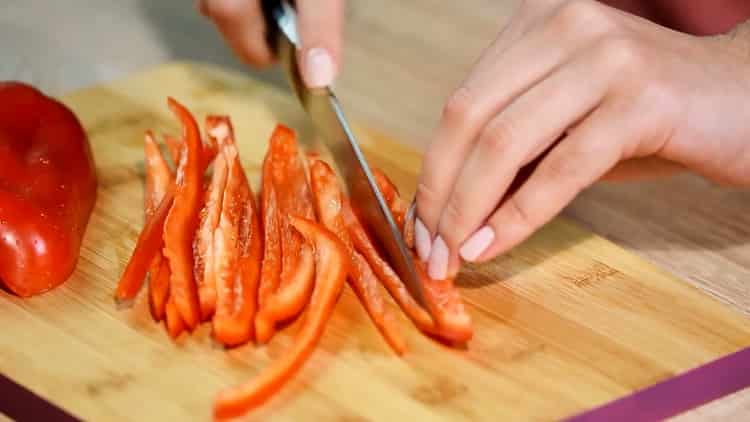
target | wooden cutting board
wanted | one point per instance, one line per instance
(565, 322)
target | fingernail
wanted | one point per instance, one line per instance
(422, 240)
(477, 243)
(437, 268)
(318, 68)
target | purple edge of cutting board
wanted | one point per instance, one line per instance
(683, 392)
(678, 394)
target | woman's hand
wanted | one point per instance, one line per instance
(320, 25)
(582, 91)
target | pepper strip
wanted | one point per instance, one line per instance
(172, 319)
(148, 244)
(204, 250)
(331, 268)
(292, 192)
(237, 244)
(385, 273)
(182, 220)
(441, 296)
(329, 206)
(158, 180)
(391, 196)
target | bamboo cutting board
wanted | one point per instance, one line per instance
(564, 322)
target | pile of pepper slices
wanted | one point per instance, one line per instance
(213, 255)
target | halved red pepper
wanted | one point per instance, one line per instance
(329, 206)
(47, 189)
(331, 268)
(182, 220)
(292, 193)
(159, 178)
(237, 243)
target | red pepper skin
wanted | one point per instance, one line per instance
(385, 273)
(442, 298)
(329, 206)
(47, 190)
(172, 319)
(331, 269)
(182, 220)
(292, 192)
(159, 179)
(237, 243)
(147, 246)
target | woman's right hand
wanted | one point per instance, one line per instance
(320, 26)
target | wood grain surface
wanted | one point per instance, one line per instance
(564, 322)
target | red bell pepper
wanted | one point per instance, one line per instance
(329, 206)
(331, 268)
(237, 242)
(47, 189)
(182, 220)
(292, 193)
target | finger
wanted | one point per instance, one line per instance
(494, 82)
(320, 25)
(512, 139)
(242, 24)
(588, 152)
(643, 169)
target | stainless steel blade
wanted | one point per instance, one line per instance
(328, 118)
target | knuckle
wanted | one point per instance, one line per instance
(498, 136)
(425, 195)
(621, 54)
(223, 10)
(459, 108)
(520, 213)
(454, 219)
(579, 14)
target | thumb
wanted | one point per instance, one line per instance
(320, 25)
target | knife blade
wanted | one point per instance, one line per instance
(328, 118)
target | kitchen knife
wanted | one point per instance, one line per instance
(328, 118)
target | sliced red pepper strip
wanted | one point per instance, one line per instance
(293, 296)
(159, 290)
(148, 244)
(237, 244)
(203, 244)
(183, 219)
(271, 266)
(175, 147)
(391, 196)
(331, 268)
(172, 319)
(158, 180)
(329, 205)
(443, 299)
(292, 192)
(385, 273)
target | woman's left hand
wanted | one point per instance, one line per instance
(587, 91)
